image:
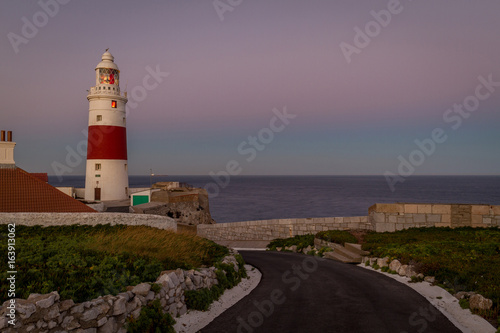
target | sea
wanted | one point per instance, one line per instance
(250, 198)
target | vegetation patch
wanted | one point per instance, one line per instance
(227, 278)
(461, 259)
(84, 262)
(337, 236)
(151, 320)
(301, 241)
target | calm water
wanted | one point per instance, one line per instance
(247, 198)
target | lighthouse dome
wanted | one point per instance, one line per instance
(107, 61)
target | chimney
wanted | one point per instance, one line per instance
(7, 150)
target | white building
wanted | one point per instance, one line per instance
(107, 174)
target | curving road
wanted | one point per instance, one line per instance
(301, 293)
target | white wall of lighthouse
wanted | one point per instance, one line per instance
(107, 167)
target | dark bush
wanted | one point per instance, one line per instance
(151, 320)
(337, 236)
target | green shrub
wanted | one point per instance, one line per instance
(156, 287)
(415, 279)
(323, 250)
(227, 278)
(301, 241)
(198, 299)
(241, 266)
(151, 320)
(461, 259)
(84, 262)
(464, 303)
(337, 236)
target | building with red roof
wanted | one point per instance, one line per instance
(21, 191)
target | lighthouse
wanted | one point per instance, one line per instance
(107, 175)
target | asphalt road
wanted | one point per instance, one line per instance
(301, 293)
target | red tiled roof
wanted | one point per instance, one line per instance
(42, 176)
(23, 192)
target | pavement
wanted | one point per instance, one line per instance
(300, 293)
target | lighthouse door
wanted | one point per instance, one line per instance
(97, 193)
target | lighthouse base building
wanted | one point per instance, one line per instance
(107, 168)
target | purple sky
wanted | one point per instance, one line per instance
(227, 76)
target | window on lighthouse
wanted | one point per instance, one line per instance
(99, 117)
(113, 104)
(108, 76)
(98, 166)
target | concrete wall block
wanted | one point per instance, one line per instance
(477, 219)
(441, 209)
(480, 209)
(328, 220)
(408, 219)
(400, 220)
(419, 218)
(433, 218)
(353, 225)
(339, 220)
(410, 209)
(495, 210)
(425, 209)
(392, 218)
(378, 217)
(487, 220)
(390, 208)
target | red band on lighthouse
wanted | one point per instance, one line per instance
(107, 143)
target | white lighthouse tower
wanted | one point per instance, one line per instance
(107, 174)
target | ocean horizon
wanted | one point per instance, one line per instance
(249, 198)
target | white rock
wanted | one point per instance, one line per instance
(395, 265)
(382, 262)
(142, 289)
(102, 321)
(479, 302)
(48, 301)
(430, 279)
(25, 310)
(120, 306)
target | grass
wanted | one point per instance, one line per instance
(461, 259)
(84, 262)
(185, 250)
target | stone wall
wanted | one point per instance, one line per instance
(271, 229)
(392, 217)
(49, 219)
(381, 218)
(47, 313)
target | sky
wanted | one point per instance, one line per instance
(282, 87)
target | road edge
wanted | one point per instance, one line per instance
(193, 320)
(447, 304)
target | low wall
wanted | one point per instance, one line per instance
(381, 218)
(44, 313)
(392, 217)
(50, 219)
(271, 229)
